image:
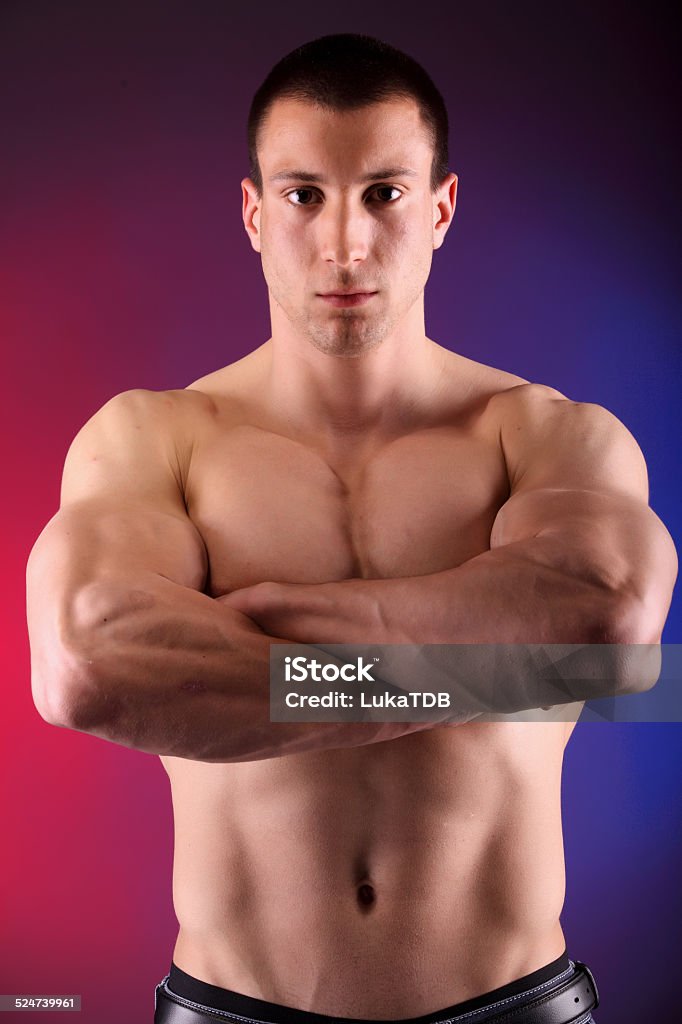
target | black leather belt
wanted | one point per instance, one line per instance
(565, 1004)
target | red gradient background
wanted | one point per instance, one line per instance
(123, 264)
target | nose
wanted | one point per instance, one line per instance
(344, 233)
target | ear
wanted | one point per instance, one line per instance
(444, 202)
(251, 205)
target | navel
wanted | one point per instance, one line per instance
(366, 895)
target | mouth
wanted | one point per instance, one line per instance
(347, 298)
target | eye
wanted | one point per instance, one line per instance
(300, 191)
(307, 197)
(388, 188)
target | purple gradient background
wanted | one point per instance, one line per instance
(124, 264)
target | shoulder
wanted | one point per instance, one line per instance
(147, 403)
(143, 427)
(234, 381)
(470, 379)
(153, 415)
(537, 408)
(544, 432)
(530, 400)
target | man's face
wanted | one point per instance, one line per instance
(346, 206)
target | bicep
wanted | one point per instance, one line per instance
(579, 491)
(551, 442)
(122, 519)
(599, 537)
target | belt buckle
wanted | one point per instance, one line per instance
(588, 972)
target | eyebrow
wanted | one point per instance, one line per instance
(384, 172)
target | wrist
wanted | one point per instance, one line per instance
(362, 609)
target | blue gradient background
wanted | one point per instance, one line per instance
(123, 263)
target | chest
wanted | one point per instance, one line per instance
(270, 508)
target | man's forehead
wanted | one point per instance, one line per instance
(388, 135)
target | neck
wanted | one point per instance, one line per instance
(338, 398)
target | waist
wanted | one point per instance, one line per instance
(366, 897)
(403, 976)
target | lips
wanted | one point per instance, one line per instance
(347, 298)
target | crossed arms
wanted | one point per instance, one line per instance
(126, 646)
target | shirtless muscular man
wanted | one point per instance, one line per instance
(349, 480)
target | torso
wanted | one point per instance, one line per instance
(457, 831)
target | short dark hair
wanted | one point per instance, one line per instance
(344, 72)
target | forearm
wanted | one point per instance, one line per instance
(168, 670)
(507, 595)
(519, 596)
(502, 597)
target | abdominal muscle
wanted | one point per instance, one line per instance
(391, 879)
(386, 880)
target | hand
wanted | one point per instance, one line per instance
(340, 612)
(282, 610)
(249, 600)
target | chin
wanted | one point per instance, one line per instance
(348, 337)
(349, 346)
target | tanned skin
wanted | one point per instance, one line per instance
(350, 480)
